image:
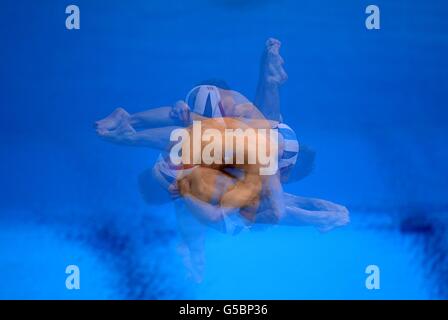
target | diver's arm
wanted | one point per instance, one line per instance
(244, 192)
(250, 122)
(247, 110)
(260, 123)
(210, 215)
(197, 117)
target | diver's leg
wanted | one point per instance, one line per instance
(322, 214)
(156, 138)
(192, 237)
(272, 75)
(152, 118)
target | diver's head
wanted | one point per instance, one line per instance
(303, 166)
(219, 83)
(204, 100)
(288, 146)
(295, 163)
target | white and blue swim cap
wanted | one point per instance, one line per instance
(290, 146)
(205, 100)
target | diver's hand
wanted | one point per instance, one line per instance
(181, 112)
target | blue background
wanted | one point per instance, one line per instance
(371, 103)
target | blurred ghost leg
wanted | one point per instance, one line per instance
(322, 214)
(192, 236)
(271, 76)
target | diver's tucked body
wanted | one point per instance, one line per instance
(227, 198)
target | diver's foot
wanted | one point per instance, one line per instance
(334, 220)
(112, 121)
(273, 63)
(120, 134)
(194, 267)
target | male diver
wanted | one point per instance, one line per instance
(213, 195)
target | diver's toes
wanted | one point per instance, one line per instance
(273, 42)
